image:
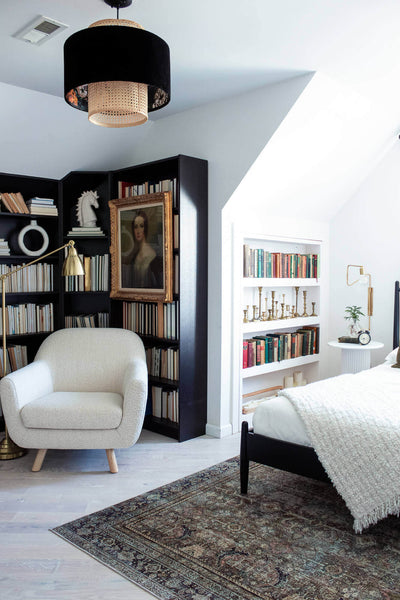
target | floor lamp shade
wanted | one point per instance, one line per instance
(123, 69)
(72, 264)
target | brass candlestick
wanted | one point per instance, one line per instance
(292, 315)
(282, 310)
(296, 314)
(259, 302)
(269, 314)
(305, 304)
(276, 310)
(246, 315)
(287, 311)
(273, 304)
(255, 312)
(313, 314)
(266, 304)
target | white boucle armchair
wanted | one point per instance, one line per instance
(86, 388)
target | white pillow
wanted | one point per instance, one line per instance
(392, 356)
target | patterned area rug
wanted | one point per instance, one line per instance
(290, 538)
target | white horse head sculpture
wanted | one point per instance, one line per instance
(84, 211)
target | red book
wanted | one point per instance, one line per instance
(245, 353)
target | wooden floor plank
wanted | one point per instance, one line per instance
(37, 564)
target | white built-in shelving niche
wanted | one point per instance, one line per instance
(246, 293)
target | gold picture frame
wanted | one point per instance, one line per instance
(141, 248)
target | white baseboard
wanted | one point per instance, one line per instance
(218, 432)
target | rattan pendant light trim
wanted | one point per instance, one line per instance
(117, 103)
(117, 72)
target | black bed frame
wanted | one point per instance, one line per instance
(287, 456)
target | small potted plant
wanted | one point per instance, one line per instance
(353, 314)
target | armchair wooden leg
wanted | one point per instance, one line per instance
(112, 461)
(37, 464)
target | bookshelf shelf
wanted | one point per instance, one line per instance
(162, 426)
(280, 282)
(24, 257)
(25, 216)
(169, 383)
(12, 336)
(11, 295)
(279, 365)
(278, 324)
(87, 293)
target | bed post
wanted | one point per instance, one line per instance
(396, 315)
(244, 459)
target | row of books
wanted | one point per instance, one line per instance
(96, 278)
(101, 319)
(261, 263)
(163, 362)
(14, 202)
(127, 189)
(17, 357)
(165, 403)
(35, 278)
(142, 318)
(275, 347)
(27, 318)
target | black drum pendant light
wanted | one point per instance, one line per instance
(116, 71)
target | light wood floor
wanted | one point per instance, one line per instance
(37, 564)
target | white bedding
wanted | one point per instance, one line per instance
(353, 423)
(276, 418)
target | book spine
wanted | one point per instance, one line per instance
(245, 353)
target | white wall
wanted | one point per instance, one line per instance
(41, 135)
(366, 232)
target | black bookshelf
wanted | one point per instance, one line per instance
(72, 186)
(192, 207)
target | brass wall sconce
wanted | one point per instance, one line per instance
(370, 301)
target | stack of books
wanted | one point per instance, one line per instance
(42, 206)
(14, 202)
(86, 232)
(4, 247)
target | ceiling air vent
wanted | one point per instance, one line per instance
(40, 30)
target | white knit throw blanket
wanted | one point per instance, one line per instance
(353, 422)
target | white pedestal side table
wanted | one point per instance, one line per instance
(356, 357)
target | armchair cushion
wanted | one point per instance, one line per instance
(74, 410)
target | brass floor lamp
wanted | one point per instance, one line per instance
(72, 266)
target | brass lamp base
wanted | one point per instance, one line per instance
(9, 450)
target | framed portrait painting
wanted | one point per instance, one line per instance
(141, 247)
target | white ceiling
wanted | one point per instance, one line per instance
(225, 47)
